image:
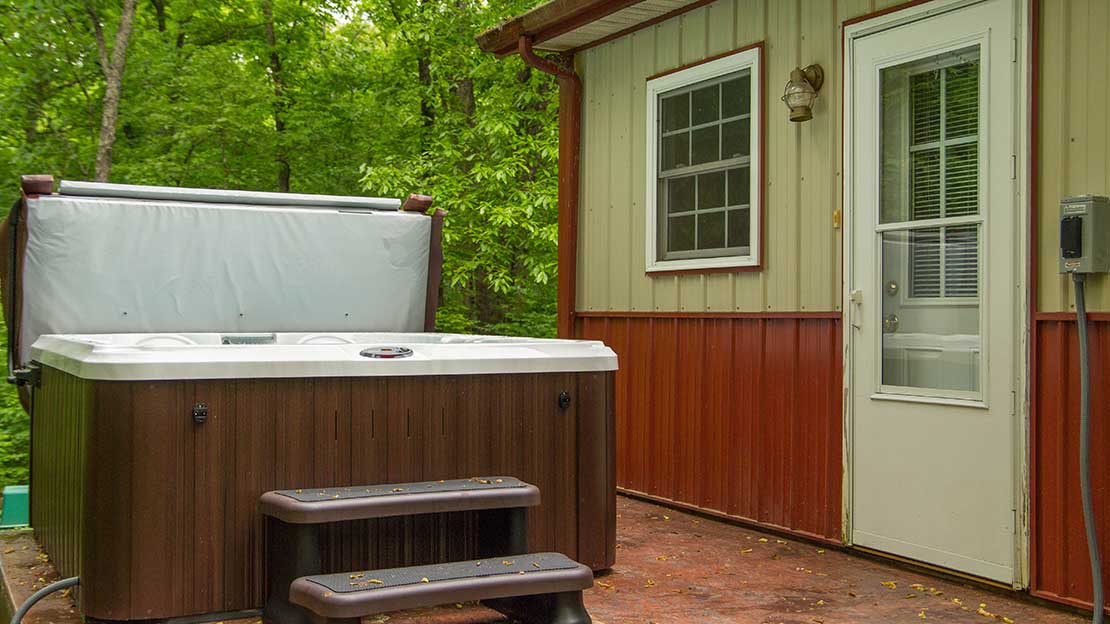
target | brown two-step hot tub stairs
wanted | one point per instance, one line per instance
(536, 588)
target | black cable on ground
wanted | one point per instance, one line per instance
(42, 593)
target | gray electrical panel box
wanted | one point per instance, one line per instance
(1085, 234)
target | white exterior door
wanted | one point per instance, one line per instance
(934, 287)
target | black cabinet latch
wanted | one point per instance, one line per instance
(200, 413)
(564, 400)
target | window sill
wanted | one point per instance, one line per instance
(702, 266)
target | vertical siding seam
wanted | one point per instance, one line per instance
(796, 297)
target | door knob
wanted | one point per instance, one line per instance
(890, 323)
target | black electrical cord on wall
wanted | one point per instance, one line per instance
(1085, 447)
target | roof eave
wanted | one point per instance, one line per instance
(547, 21)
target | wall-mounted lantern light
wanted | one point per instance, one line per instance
(801, 91)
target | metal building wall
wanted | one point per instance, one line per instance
(802, 188)
(1074, 133)
(670, 409)
(1073, 157)
(734, 416)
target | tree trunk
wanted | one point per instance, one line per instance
(277, 79)
(111, 64)
(160, 13)
(424, 71)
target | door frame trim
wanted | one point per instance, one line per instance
(852, 30)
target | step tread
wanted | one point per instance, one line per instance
(333, 504)
(356, 594)
(326, 495)
(371, 580)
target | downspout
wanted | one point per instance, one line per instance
(570, 139)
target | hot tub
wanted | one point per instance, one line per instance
(184, 351)
(151, 450)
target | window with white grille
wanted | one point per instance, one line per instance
(944, 180)
(703, 165)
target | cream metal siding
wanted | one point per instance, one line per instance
(1074, 134)
(801, 257)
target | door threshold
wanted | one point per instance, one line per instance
(936, 570)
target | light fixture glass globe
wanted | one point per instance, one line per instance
(799, 96)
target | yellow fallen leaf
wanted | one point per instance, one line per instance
(604, 585)
(921, 614)
(889, 584)
(762, 540)
(661, 558)
(745, 551)
(424, 580)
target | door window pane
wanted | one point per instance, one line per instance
(961, 180)
(929, 138)
(924, 345)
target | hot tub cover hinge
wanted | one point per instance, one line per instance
(30, 375)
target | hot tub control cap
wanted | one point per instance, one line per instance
(386, 353)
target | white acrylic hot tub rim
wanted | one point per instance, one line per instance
(166, 356)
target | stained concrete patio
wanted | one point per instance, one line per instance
(674, 567)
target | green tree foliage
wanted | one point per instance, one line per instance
(378, 97)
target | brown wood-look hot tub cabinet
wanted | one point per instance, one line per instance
(156, 512)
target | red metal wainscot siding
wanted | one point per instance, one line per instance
(1060, 566)
(735, 415)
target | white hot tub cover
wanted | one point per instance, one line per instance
(118, 259)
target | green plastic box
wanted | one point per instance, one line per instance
(15, 507)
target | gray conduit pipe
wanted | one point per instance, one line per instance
(42, 593)
(1085, 447)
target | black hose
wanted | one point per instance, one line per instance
(42, 593)
(1085, 447)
